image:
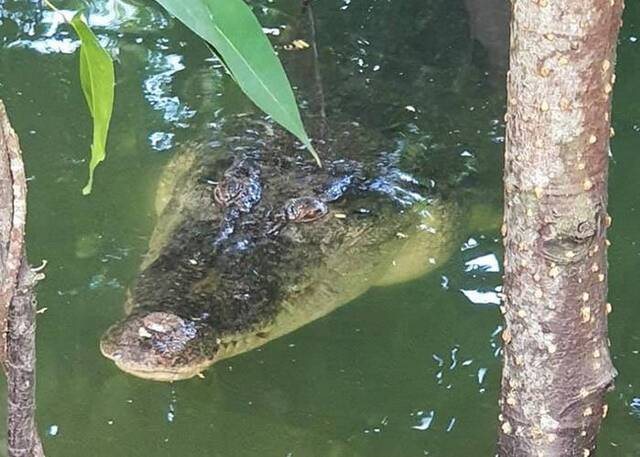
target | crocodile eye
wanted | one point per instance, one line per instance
(305, 209)
(227, 190)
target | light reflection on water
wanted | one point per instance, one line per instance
(157, 88)
(118, 25)
(404, 370)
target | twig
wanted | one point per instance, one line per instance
(316, 68)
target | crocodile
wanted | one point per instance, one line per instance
(254, 241)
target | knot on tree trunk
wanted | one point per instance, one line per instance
(573, 233)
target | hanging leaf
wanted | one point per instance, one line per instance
(232, 29)
(98, 80)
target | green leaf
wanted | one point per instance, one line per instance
(98, 80)
(232, 29)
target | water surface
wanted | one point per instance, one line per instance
(406, 370)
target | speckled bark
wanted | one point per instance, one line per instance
(557, 366)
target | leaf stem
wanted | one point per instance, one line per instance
(51, 5)
(56, 10)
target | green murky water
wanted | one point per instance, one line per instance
(409, 370)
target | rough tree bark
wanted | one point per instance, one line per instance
(17, 301)
(557, 366)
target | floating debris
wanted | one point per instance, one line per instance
(296, 45)
(426, 420)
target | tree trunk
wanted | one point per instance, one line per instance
(17, 301)
(557, 366)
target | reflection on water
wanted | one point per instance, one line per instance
(406, 370)
(161, 69)
(121, 27)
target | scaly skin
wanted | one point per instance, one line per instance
(274, 243)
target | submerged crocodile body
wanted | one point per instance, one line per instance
(254, 243)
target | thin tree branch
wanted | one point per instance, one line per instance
(17, 300)
(13, 213)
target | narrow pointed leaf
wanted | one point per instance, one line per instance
(98, 80)
(232, 29)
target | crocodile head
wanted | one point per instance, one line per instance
(251, 245)
(230, 240)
